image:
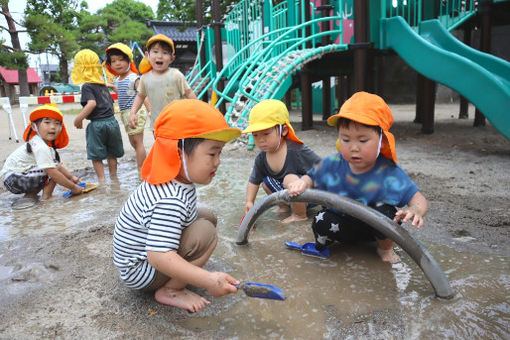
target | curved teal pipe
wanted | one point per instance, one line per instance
(376, 220)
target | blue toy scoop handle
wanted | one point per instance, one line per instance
(70, 192)
(293, 245)
(261, 290)
(309, 249)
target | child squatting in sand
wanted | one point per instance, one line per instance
(36, 166)
(161, 239)
(365, 170)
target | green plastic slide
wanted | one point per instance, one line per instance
(480, 77)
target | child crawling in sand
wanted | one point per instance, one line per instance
(365, 170)
(161, 240)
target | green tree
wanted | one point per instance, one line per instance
(185, 10)
(15, 59)
(124, 21)
(90, 28)
(53, 28)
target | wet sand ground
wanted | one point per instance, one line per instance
(59, 281)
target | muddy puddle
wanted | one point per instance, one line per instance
(350, 290)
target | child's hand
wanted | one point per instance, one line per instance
(77, 190)
(75, 179)
(297, 187)
(247, 207)
(133, 120)
(221, 284)
(409, 214)
(78, 123)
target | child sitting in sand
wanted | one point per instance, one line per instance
(283, 157)
(36, 165)
(161, 240)
(365, 170)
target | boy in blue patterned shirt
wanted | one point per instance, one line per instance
(365, 170)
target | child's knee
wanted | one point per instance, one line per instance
(207, 214)
(197, 239)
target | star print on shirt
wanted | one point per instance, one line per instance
(322, 239)
(334, 227)
(320, 216)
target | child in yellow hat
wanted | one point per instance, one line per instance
(161, 239)
(36, 165)
(365, 170)
(104, 140)
(159, 82)
(119, 61)
(283, 157)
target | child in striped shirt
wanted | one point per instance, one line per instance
(161, 240)
(119, 61)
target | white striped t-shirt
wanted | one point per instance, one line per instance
(153, 218)
(126, 91)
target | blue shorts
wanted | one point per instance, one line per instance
(273, 184)
(104, 139)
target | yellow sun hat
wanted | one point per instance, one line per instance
(87, 68)
(47, 111)
(369, 109)
(269, 113)
(127, 51)
(144, 65)
(183, 118)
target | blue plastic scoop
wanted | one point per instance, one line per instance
(309, 249)
(261, 290)
(86, 186)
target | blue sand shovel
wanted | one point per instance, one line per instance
(309, 249)
(87, 186)
(263, 291)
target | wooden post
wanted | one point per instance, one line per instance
(360, 39)
(326, 98)
(217, 25)
(306, 100)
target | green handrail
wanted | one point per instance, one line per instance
(265, 51)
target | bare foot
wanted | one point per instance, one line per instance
(181, 298)
(294, 218)
(46, 198)
(282, 209)
(388, 255)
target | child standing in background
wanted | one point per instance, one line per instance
(283, 157)
(119, 61)
(365, 170)
(159, 83)
(36, 166)
(161, 239)
(104, 140)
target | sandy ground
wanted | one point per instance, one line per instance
(463, 171)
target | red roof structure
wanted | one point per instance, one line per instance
(11, 76)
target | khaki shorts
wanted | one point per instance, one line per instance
(142, 118)
(196, 239)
